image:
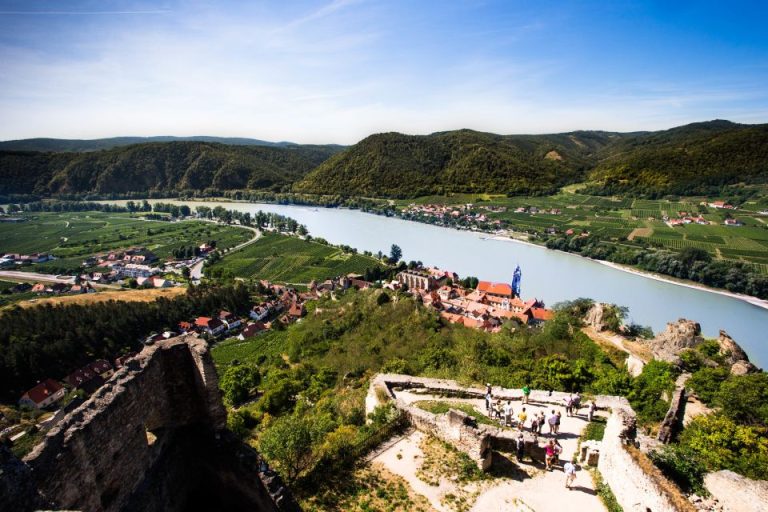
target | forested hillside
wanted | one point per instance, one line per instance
(149, 167)
(83, 145)
(693, 159)
(397, 165)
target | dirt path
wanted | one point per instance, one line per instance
(637, 354)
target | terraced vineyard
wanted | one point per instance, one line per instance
(289, 259)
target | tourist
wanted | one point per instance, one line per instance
(552, 422)
(520, 445)
(508, 412)
(526, 393)
(542, 421)
(521, 417)
(558, 450)
(576, 404)
(570, 474)
(592, 409)
(488, 400)
(549, 454)
(557, 422)
(534, 425)
(568, 405)
(497, 410)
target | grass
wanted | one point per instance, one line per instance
(150, 295)
(594, 430)
(605, 493)
(288, 259)
(441, 407)
(74, 235)
(270, 343)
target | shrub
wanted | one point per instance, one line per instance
(681, 465)
(706, 383)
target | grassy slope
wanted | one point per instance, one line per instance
(288, 259)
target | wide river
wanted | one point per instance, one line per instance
(551, 276)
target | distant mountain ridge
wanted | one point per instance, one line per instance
(84, 145)
(158, 166)
(692, 159)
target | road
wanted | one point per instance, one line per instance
(49, 278)
(196, 271)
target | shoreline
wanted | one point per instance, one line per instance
(755, 301)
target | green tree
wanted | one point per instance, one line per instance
(288, 444)
(238, 381)
(395, 253)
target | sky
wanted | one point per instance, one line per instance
(335, 71)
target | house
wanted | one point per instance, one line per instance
(251, 330)
(446, 293)
(417, 280)
(721, 205)
(541, 315)
(261, 311)
(733, 222)
(186, 326)
(297, 310)
(230, 319)
(44, 394)
(211, 326)
(39, 288)
(136, 270)
(495, 289)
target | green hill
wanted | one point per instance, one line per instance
(686, 160)
(397, 165)
(170, 166)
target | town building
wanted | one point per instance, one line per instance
(44, 394)
(417, 280)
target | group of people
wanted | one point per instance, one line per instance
(505, 413)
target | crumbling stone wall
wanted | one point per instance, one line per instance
(152, 438)
(635, 488)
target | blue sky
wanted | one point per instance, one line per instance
(339, 70)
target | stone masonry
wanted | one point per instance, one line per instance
(152, 438)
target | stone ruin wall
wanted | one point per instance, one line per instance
(635, 489)
(152, 438)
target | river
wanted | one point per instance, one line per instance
(551, 276)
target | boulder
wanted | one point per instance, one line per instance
(594, 317)
(678, 336)
(734, 355)
(737, 493)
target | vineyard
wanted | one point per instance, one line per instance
(289, 259)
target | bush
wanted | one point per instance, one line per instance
(681, 465)
(706, 383)
(238, 381)
(657, 379)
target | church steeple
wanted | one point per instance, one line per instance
(516, 278)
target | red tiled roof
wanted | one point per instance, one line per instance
(43, 390)
(202, 321)
(542, 314)
(495, 288)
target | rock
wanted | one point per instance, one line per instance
(594, 317)
(736, 493)
(678, 336)
(734, 355)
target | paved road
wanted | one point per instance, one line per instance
(196, 271)
(32, 276)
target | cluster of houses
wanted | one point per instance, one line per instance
(11, 259)
(62, 288)
(684, 218)
(442, 212)
(533, 210)
(486, 307)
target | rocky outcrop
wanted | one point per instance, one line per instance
(595, 317)
(734, 355)
(678, 336)
(153, 438)
(736, 493)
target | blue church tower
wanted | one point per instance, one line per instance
(516, 278)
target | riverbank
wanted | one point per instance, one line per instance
(755, 301)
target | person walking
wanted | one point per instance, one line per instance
(557, 422)
(568, 405)
(520, 447)
(549, 454)
(542, 421)
(552, 422)
(488, 398)
(508, 412)
(591, 411)
(570, 474)
(521, 417)
(526, 393)
(576, 404)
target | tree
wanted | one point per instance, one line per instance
(288, 445)
(186, 273)
(395, 253)
(238, 381)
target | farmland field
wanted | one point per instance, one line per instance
(72, 236)
(289, 259)
(268, 343)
